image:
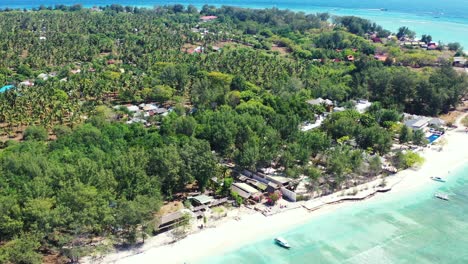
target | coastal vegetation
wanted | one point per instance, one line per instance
(237, 85)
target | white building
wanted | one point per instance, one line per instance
(362, 105)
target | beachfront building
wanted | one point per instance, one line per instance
(169, 221)
(273, 181)
(437, 122)
(202, 199)
(419, 122)
(244, 190)
(429, 125)
(267, 176)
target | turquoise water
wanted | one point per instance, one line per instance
(403, 228)
(446, 21)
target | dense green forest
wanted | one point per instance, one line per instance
(81, 173)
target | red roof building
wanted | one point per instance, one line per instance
(208, 18)
(432, 46)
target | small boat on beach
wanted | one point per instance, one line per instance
(282, 242)
(442, 196)
(437, 178)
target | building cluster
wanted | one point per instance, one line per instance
(426, 124)
(200, 206)
(360, 105)
(140, 113)
(257, 187)
(420, 44)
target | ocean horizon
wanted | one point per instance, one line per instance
(397, 228)
(446, 21)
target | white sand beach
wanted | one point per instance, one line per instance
(252, 226)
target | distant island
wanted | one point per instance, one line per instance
(120, 123)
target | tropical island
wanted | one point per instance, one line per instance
(121, 123)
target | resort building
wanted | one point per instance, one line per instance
(421, 122)
(244, 190)
(418, 123)
(202, 200)
(171, 220)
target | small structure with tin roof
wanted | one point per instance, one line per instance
(244, 190)
(202, 199)
(169, 221)
(418, 123)
(320, 101)
(26, 83)
(459, 62)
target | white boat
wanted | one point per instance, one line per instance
(437, 178)
(282, 242)
(442, 196)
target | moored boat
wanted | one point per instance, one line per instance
(442, 196)
(437, 178)
(282, 242)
